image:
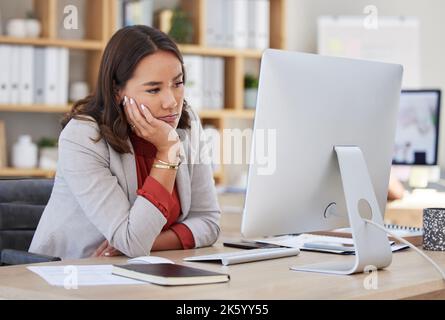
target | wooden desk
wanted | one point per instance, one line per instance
(409, 210)
(409, 276)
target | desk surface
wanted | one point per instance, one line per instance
(409, 276)
(409, 210)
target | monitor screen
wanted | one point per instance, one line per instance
(294, 182)
(417, 131)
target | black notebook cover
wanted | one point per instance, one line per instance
(169, 274)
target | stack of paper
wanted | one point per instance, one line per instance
(319, 243)
(74, 276)
(90, 275)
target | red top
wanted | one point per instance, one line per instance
(153, 191)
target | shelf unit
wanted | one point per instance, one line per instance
(35, 108)
(235, 60)
(97, 33)
(205, 114)
(99, 29)
(17, 173)
(71, 44)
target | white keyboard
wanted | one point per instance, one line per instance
(250, 255)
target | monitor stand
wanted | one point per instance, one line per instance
(372, 248)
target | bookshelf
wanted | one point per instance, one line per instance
(100, 25)
(220, 52)
(92, 45)
(96, 36)
(36, 108)
(17, 173)
(235, 60)
(206, 114)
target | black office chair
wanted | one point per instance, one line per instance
(21, 205)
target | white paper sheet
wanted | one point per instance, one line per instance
(77, 276)
(300, 240)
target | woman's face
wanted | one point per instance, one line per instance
(157, 83)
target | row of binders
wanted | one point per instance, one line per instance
(239, 24)
(34, 75)
(204, 87)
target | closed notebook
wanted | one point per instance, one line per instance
(167, 274)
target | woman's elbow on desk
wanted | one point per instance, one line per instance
(205, 229)
(132, 247)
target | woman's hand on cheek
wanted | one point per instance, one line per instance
(163, 136)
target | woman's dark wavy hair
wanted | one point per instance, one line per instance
(124, 51)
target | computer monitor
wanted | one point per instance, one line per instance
(417, 133)
(334, 121)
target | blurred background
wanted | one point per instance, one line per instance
(50, 51)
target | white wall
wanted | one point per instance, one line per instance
(302, 35)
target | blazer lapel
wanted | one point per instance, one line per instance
(183, 184)
(129, 165)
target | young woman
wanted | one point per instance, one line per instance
(130, 178)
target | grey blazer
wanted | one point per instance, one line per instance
(94, 197)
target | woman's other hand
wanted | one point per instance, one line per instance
(106, 250)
